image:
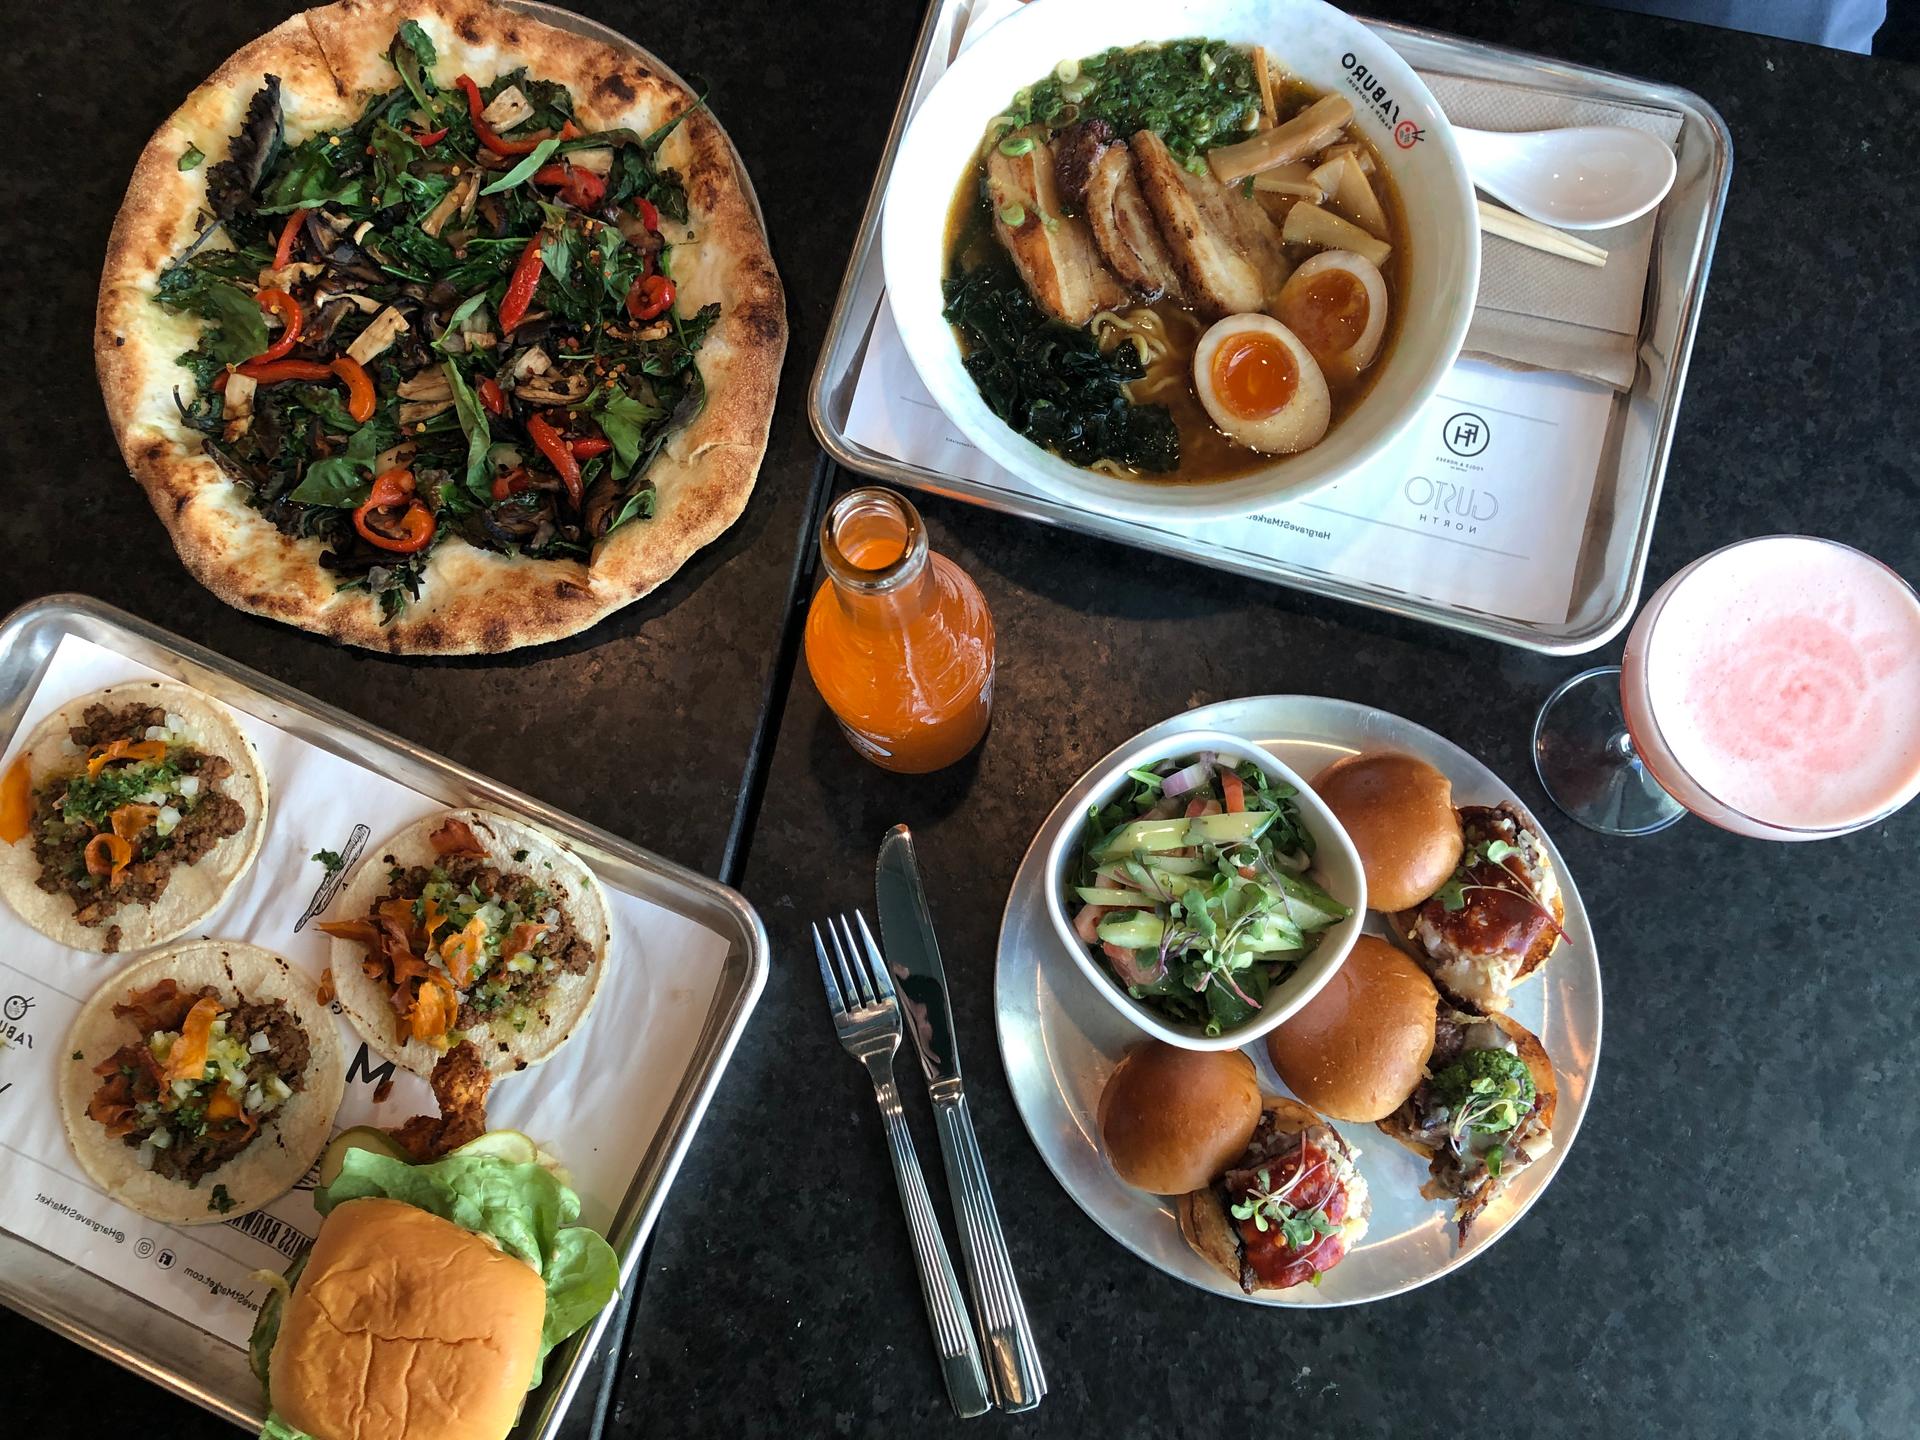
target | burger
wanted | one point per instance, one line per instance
(1358, 1049)
(1267, 1189)
(430, 1298)
(1498, 916)
(1288, 1207)
(1483, 1113)
(1399, 813)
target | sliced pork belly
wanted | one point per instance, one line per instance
(1224, 249)
(1124, 230)
(1053, 252)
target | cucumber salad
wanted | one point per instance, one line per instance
(1192, 886)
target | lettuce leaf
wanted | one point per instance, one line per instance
(524, 1207)
(277, 1429)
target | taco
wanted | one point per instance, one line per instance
(201, 1082)
(470, 926)
(128, 815)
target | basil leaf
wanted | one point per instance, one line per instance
(191, 157)
(625, 421)
(344, 480)
(529, 163)
(639, 506)
(239, 329)
(411, 53)
(473, 420)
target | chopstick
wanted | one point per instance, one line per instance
(1518, 228)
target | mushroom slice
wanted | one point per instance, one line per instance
(1124, 230)
(389, 325)
(463, 192)
(554, 389)
(428, 384)
(507, 109)
(414, 411)
(236, 404)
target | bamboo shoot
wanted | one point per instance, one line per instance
(1310, 225)
(1313, 129)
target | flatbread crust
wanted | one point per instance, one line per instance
(291, 1137)
(193, 891)
(329, 60)
(568, 998)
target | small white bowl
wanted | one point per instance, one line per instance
(1331, 51)
(1336, 868)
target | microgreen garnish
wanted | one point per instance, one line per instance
(1486, 1092)
(1453, 895)
(1267, 1206)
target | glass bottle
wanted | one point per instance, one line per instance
(898, 641)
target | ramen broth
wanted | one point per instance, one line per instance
(1171, 331)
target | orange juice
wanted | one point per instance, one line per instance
(898, 641)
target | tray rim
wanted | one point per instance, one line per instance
(1243, 716)
(743, 979)
(1565, 639)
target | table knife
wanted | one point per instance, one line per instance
(913, 957)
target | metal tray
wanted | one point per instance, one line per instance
(1613, 549)
(171, 1352)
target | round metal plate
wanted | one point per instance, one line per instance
(1059, 1040)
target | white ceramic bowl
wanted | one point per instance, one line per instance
(1336, 868)
(1332, 52)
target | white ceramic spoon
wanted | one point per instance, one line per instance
(1585, 178)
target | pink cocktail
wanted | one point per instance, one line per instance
(1772, 688)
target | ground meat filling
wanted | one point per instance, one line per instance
(134, 1101)
(1461, 1174)
(60, 838)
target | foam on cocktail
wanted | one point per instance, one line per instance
(1782, 678)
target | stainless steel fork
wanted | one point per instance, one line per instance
(866, 1016)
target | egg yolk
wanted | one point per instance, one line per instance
(1330, 313)
(1254, 374)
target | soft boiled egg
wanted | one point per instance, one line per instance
(1261, 385)
(1337, 304)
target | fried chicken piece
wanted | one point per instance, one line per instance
(460, 1083)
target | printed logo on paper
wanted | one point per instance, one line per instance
(1466, 434)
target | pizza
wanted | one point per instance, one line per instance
(437, 329)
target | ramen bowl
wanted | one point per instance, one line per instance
(1306, 39)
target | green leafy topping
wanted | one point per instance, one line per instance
(344, 480)
(220, 1200)
(1193, 94)
(333, 860)
(1050, 381)
(1486, 1092)
(1267, 1207)
(191, 157)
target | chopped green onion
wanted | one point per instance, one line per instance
(1207, 63)
(1013, 216)
(1016, 145)
(1067, 71)
(1076, 91)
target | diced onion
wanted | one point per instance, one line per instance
(259, 1043)
(189, 785)
(161, 1138)
(164, 822)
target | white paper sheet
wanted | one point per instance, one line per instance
(1481, 504)
(599, 1101)
(1496, 529)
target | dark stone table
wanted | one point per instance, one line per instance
(1726, 1251)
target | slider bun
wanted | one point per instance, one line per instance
(1399, 813)
(1172, 1119)
(404, 1326)
(1358, 1049)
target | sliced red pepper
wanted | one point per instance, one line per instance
(360, 397)
(410, 531)
(547, 440)
(649, 213)
(272, 372)
(650, 297)
(426, 138)
(493, 142)
(512, 483)
(492, 396)
(581, 189)
(283, 252)
(288, 309)
(526, 279)
(588, 446)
